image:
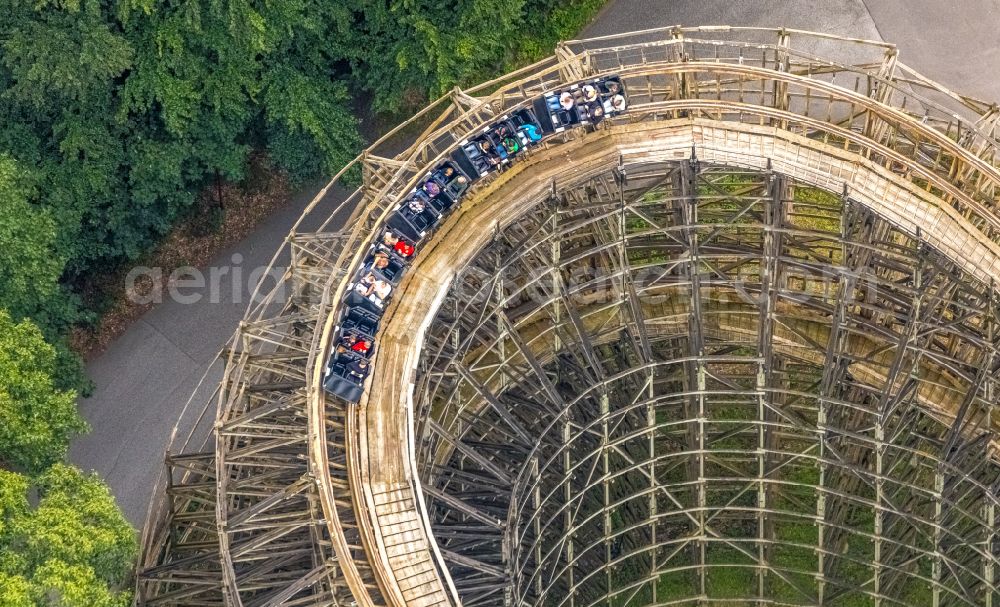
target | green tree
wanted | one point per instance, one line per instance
(29, 266)
(308, 132)
(74, 549)
(59, 66)
(115, 115)
(15, 591)
(224, 76)
(36, 419)
(404, 51)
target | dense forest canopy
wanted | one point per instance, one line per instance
(115, 114)
(37, 420)
(62, 541)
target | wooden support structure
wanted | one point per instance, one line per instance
(738, 345)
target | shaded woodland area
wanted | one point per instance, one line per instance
(115, 117)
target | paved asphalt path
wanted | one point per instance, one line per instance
(146, 377)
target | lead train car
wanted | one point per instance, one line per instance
(489, 150)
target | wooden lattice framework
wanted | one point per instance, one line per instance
(768, 338)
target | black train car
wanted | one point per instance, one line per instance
(348, 367)
(497, 145)
(354, 347)
(583, 103)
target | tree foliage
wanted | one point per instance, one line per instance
(73, 549)
(115, 114)
(29, 267)
(411, 49)
(36, 419)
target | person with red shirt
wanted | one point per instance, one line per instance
(404, 250)
(398, 245)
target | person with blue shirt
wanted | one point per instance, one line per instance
(529, 132)
(358, 371)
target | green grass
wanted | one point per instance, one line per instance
(732, 577)
(676, 585)
(816, 210)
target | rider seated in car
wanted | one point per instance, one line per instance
(368, 283)
(417, 212)
(354, 343)
(376, 285)
(358, 370)
(416, 204)
(489, 153)
(596, 112)
(381, 288)
(457, 187)
(566, 100)
(374, 288)
(510, 145)
(496, 142)
(445, 175)
(397, 244)
(364, 286)
(616, 103)
(431, 187)
(381, 263)
(529, 132)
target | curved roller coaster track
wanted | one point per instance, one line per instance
(736, 345)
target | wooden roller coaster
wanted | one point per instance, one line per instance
(735, 345)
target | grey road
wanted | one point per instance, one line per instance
(146, 377)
